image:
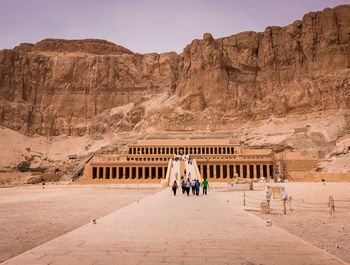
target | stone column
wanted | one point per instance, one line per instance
(261, 171)
(156, 172)
(228, 171)
(208, 170)
(268, 172)
(241, 170)
(137, 173)
(221, 171)
(234, 170)
(143, 172)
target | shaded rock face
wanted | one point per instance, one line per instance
(78, 87)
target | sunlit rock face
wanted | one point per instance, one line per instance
(87, 87)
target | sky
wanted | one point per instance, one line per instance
(145, 26)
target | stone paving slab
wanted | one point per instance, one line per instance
(163, 229)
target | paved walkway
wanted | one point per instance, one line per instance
(175, 169)
(163, 229)
(190, 169)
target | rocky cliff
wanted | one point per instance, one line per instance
(80, 87)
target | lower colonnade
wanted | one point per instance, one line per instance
(128, 172)
(151, 161)
(233, 170)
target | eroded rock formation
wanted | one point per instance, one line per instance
(79, 87)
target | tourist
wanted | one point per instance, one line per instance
(197, 187)
(183, 186)
(193, 186)
(188, 187)
(175, 187)
(205, 186)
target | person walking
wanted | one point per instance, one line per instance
(205, 186)
(188, 187)
(175, 187)
(183, 187)
(193, 186)
(197, 187)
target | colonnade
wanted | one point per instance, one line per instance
(229, 171)
(129, 172)
(187, 150)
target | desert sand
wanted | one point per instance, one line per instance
(308, 214)
(31, 215)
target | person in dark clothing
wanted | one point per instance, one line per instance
(188, 187)
(175, 187)
(183, 186)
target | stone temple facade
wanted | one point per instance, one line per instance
(152, 162)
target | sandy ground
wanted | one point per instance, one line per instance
(30, 216)
(14, 178)
(308, 214)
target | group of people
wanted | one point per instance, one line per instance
(186, 186)
(180, 158)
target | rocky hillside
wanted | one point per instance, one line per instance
(285, 88)
(78, 87)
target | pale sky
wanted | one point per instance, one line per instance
(145, 25)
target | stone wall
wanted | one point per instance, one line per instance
(308, 176)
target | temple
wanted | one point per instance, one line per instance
(152, 161)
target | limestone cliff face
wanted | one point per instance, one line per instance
(82, 87)
(50, 92)
(301, 67)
